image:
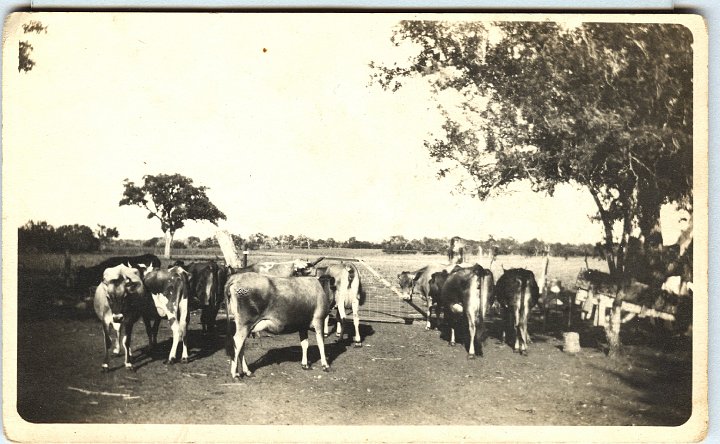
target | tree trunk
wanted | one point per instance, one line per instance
(608, 227)
(168, 243)
(232, 258)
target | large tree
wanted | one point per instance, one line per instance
(172, 199)
(603, 106)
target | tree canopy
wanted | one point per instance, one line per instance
(173, 200)
(603, 106)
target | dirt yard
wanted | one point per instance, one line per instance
(402, 375)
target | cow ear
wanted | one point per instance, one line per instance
(417, 275)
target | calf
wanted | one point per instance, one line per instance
(517, 292)
(89, 276)
(419, 281)
(168, 290)
(349, 294)
(115, 303)
(278, 305)
(469, 291)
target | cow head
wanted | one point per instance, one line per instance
(406, 281)
(437, 280)
(116, 290)
(303, 268)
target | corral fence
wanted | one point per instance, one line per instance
(384, 302)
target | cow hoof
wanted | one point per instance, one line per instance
(170, 361)
(357, 344)
(116, 352)
(184, 361)
(249, 375)
(523, 353)
(326, 368)
(471, 356)
(130, 367)
(325, 335)
(236, 377)
(105, 369)
(306, 366)
(451, 344)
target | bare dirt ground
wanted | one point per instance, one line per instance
(402, 375)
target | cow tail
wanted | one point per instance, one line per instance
(361, 293)
(229, 341)
(523, 288)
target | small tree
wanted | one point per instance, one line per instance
(106, 234)
(172, 199)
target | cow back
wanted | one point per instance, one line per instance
(291, 302)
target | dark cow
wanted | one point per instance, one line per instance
(207, 282)
(412, 282)
(469, 291)
(517, 292)
(168, 291)
(90, 276)
(349, 294)
(278, 305)
(119, 301)
(456, 252)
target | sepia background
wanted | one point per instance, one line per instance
(279, 116)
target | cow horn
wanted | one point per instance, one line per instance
(317, 261)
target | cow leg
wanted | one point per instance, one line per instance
(183, 321)
(126, 343)
(428, 324)
(326, 326)
(241, 334)
(107, 345)
(339, 318)
(116, 327)
(516, 328)
(472, 327)
(304, 346)
(357, 341)
(175, 328)
(150, 329)
(321, 345)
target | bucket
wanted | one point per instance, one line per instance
(572, 342)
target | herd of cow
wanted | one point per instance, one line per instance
(288, 297)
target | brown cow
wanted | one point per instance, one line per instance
(517, 292)
(349, 294)
(470, 291)
(277, 305)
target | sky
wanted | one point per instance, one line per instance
(275, 114)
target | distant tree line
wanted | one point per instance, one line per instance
(44, 238)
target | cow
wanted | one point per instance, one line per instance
(466, 290)
(412, 282)
(206, 283)
(168, 294)
(117, 300)
(517, 293)
(456, 252)
(277, 305)
(89, 276)
(349, 294)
